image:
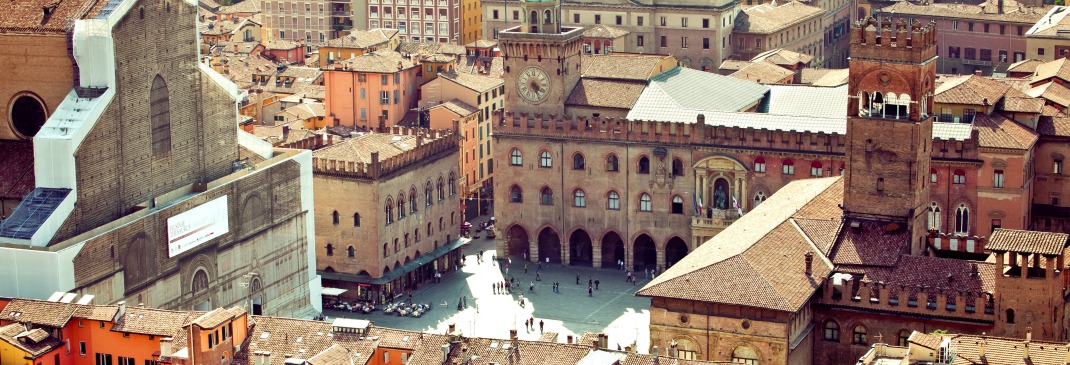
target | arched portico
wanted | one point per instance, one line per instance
(612, 249)
(549, 245)
(580, 249)
(644, 253)
(518, 240)
(675, 250)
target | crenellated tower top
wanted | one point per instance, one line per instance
(888, 40)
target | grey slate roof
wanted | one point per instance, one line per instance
(823, 102)
(949, 131)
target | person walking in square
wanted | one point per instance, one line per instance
(538, 277)
(532, 287)
(525, 268)
(547, 261)
(506, 269)
(577, 279)
(596, 284)
(541, 326)
(590, 291)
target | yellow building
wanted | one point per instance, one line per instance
(309, 115)
(358, 43)
(471, 21)
(19, 346)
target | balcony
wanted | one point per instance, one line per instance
(442, 18)
(342, 13)
(713, 222)
(977, 63)
(401, 16)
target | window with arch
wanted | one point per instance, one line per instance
(453, 184)
(356, 219)
(832, 331)
(613, 201)
(959, 177)
(401, 206)
(334, 217)
(546, 196)
(352, 252)
(903, 339)
(932, 175)
(515, 158)
(816, 170)
(428, 197)
(160, 116)
(430, 231)
(578, 162)
(547, 18)
(330, 250)
(389, 211)
(1010, 316)
(858, 336)
(677, 205)
(677, 167)
(385, 252)
(962, 220)
(200, 281)
(759, 198)
(612, 165)
(397, 246)
(644, 165)
(579, 198)
(516, 195)
(412, 200)
(789, 167)
(934, 217)
(534, 19)
(644, 202)
(745, 355)
(439, 188)
(545, 160)
(759, 164)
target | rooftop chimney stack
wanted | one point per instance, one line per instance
(121, 312)
(809, 263)
(981, 346)
(165, 347)
(445, 353)
(999, 6)
(569, 338)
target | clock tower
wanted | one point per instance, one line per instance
(542, 59)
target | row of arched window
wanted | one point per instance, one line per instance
(336, 219)
(330, 250)
(859, 334)
(788, 167)
(962, 218)
(579, 199)
(395, 206)
(579, 162)
(880, 105)
(405, 239)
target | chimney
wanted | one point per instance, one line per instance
(512, 335)
(445, 352)
(977, 72)
(265, 356)
(569, 338)
(981, 346)
(285, 132)
(121, 312)
(809, 263)
(1028, 335)
(452, 327)
(165, 347)
(701, 119)
(973, 270)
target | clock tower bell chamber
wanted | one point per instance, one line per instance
(542, 59)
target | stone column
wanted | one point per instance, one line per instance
(596, 254)
(533, 250)
(660, 255)
(566, 253)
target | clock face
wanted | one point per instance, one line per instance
(533, 84)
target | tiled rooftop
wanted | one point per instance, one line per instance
(1055, 126)
(360, 148)
(763, 72)
(27, 16)
(606, 93)
(1052, 24)
(986, 11)
(378, 62)
(458, 107)
(477, 83)
(770, 18)
(970, 90)
(999, 132)
(363, 39)
(1013, 240)
(783, 57)
(38, 341)
(604, 31)
(627, 66)
(1059, 68)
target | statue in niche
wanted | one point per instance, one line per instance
(720, 194)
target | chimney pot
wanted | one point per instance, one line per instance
(1028, 335)
(809, 263)
(981, 346)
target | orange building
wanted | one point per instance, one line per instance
(361, 89)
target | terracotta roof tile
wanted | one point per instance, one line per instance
(822, 232)
(999, 132)
(305, 111)
(281, 336)
(932, 273)
(971, 90)
(604, 31)
(360, 148)
(247, 6)
(35, 342)
(1056, 126)
(1025, 66)
(1013, 12)
(625, 66)
(334, 355)
(39, 312)
(27, 16)
(606, 93)
(736, 65)
(1045, 243)
(378, 61)
(1059, 68)
(280, 44)
(96, 312)
(1008, 351)
(762, 255)
(148, 321)
(770, 18)
(363, 39)
(764, 72)
(216, 317)
(783, 57)
(1054, 92)
(477, 83)
(870, 244)
(928, 341)
(482, 43)
(431, 48)
(478, 65)
(1021, 104)
(458, 107)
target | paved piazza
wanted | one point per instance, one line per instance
(614, 309)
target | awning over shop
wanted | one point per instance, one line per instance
(395, 273)
(333, 291)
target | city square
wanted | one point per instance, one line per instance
(613, 309)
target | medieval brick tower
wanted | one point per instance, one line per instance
(889, 129)
(542, 60)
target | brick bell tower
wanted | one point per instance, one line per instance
(542, 59)
(889, 128)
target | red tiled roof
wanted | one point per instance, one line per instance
(871, 244)
(39, 342)
(1014, 240)
(28, 16)
(822, 232)
(999, 132)
(1055, 126)
(932, 273)
(970, 90)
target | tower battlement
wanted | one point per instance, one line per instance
(876, 39)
